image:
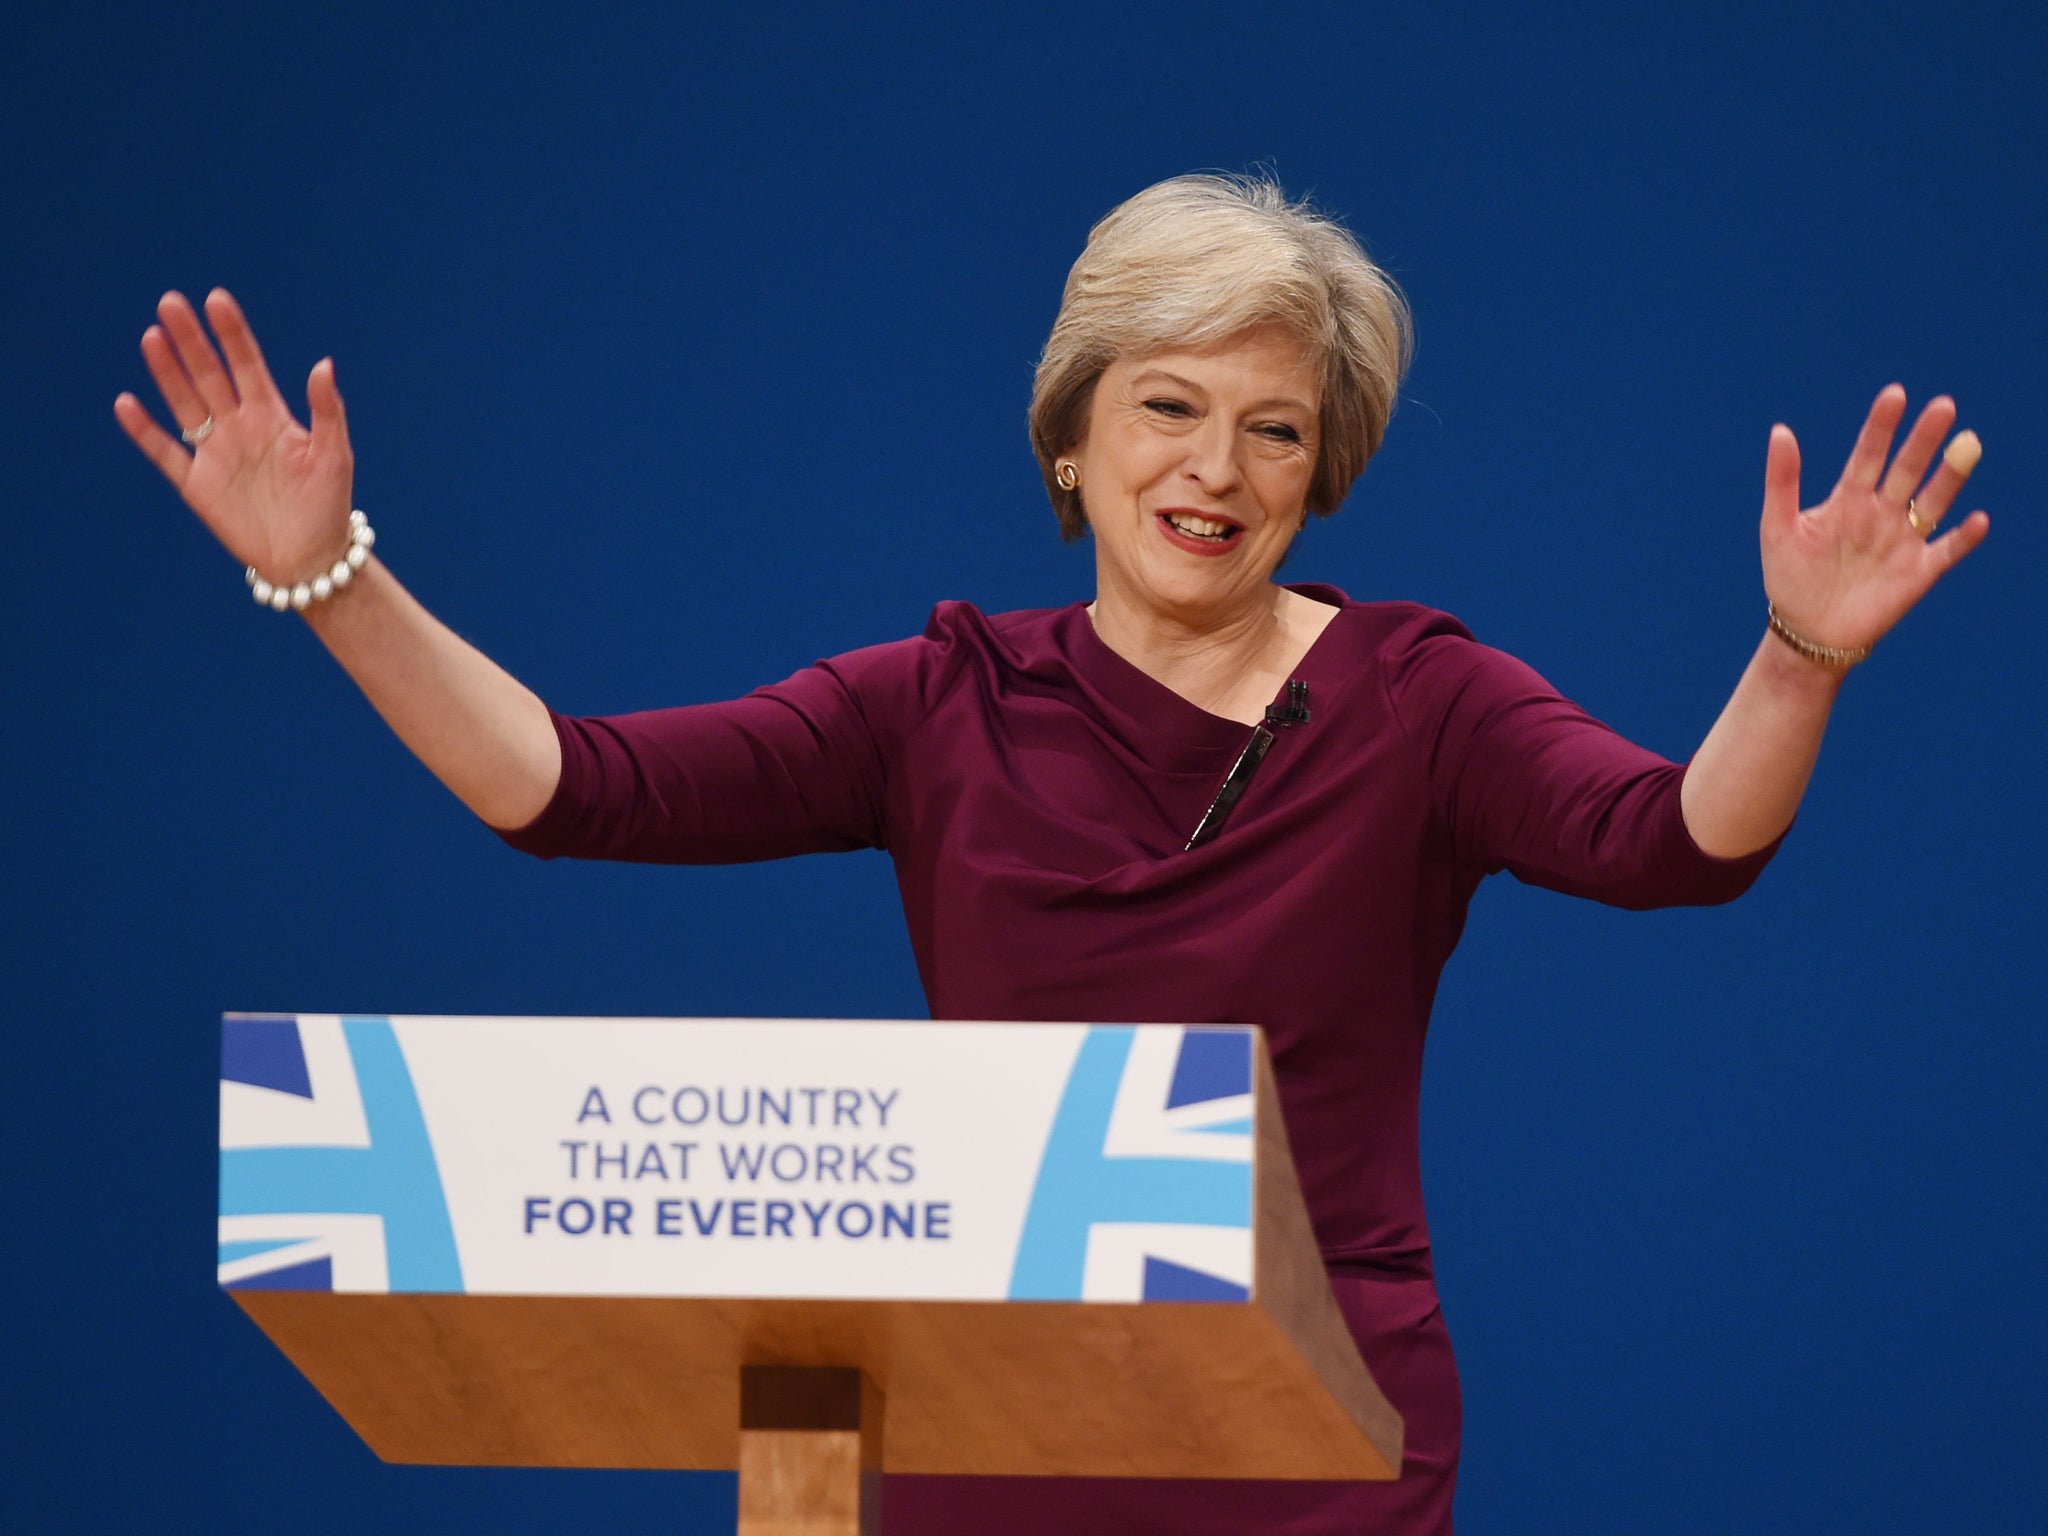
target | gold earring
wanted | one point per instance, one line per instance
(1066, 474)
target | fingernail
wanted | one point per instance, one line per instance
(1963, 452)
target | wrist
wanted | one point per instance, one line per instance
(322, 583)
(1790, 671)
(1831, 658)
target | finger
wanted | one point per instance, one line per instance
(1781, 482)
(202, 363)
(1917, 452)
(1945, 552)
(157, 445)
(1873, 443)
(172, 382)
(330, 420)
(1939, 494)
(251, 374)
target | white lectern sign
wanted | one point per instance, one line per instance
(705, 1158)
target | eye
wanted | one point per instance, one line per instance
(1166, 405)
(1280, 432)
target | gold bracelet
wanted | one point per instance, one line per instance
(1813, 650)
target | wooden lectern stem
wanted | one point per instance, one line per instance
(810, 1452)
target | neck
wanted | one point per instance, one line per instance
(1228, 661)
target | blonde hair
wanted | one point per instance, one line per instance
(1196, 260)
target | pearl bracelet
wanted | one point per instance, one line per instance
(361, 536)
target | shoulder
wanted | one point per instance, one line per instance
(1384, 633)
(1029, 642)
(961, 624)
(959, 633)
(959, 643)
(1392, 629)
(1425, 662)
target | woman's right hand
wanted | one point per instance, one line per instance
(274, 493)
(277, 496)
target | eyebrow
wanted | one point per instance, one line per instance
(1193, 388)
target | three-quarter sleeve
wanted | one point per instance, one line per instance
(1522, 779)
(795, 767)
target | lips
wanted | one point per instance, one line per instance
(1199, 533)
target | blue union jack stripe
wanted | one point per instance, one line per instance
(1144, 1193)
(327, 1176)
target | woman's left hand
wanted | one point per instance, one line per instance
(1844, 572)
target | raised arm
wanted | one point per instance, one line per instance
(278, 496)
(1839, 576)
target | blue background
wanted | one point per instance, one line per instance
(684, 346)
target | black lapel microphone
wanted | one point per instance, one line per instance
(1293, 712)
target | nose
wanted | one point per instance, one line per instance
(1211, 461)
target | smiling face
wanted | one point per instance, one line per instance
(1195, 470)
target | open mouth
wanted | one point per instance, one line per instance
(1192, 530)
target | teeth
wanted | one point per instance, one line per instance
(1200, 527)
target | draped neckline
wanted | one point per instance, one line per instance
(1152, 705)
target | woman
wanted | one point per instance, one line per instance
(1078, 829)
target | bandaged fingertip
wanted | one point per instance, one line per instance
(1963, 452)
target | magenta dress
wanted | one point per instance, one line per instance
(1036, 792)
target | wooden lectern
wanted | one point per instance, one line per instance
(458, 1278)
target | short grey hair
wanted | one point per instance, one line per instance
(1196, 260)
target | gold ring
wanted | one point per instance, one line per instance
(194, 436)
(1923, 529)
